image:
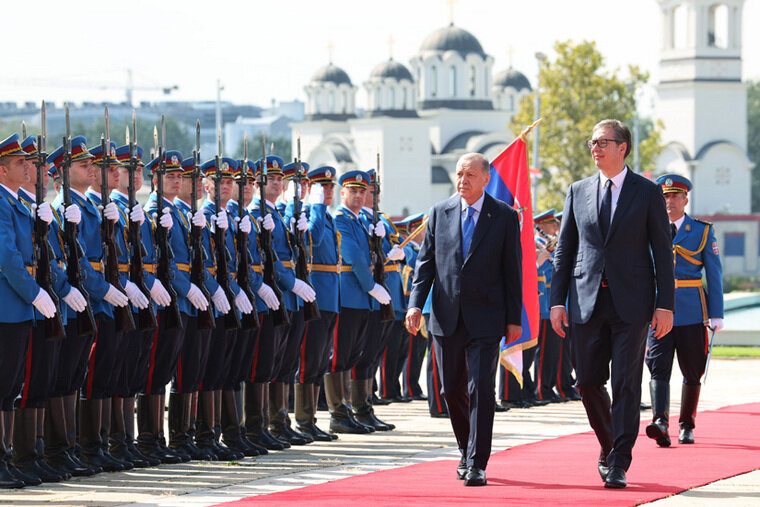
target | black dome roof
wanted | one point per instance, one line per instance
(391, 69)
(513, 78)
(331, 74)
(452, 38)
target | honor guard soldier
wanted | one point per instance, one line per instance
(169, 336)
(565, 380)
(325, 276)
(547, 351)
(96, 355)
(418, 344)
(20, 293)
(357, 289)
(698, 310)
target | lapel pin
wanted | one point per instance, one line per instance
(489, 215)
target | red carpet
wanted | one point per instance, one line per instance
(560, 471)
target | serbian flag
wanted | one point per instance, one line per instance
(510, 182)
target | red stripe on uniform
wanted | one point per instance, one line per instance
(153, 347)
(256, 349)
(383, 374)
(27, 371)
(707, 342)
(541, 360)
(301, 374)
(335, 345)
(435, 379)
(179, 374)
(91, 362)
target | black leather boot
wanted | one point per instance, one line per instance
(257, 416)
(689, 401)
(241, 423)
(305, 411)
(7, 479)
(659, 392)
(317, 389)
(363, 411)
(278, 415)
(129, 430)
(117, 438)
(341, 418)
(204, 424)
(25, 457)
(230, 426)
(105, 432)
(179, 428)
(222, 451)
(56, 441)
(90, 416)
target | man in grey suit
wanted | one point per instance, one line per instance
(613, 266)
(472, 251)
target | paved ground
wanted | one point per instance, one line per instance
(417, 438)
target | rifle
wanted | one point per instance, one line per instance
(165, 254)
(71, 246)
(268, 256)
(310, 309)
(122, 314)
(146, 318)
(249, 321)
(198, 257)
(232, 319)
(376, 244)
(42, 251)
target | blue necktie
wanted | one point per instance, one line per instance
(467, 229)
(605, 212)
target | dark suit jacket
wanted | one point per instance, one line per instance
(636, 254)
(486, 287)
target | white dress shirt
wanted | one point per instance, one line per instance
(678, 222)
(617, 185)
(478, 205)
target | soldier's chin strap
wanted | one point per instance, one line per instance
(709, 353)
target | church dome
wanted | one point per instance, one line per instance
(452, 38)
(513, 78)
(391, 69)
(331, 74)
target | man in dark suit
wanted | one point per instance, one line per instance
(472, 251)
(613, 266)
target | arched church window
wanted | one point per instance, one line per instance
(679, 27)
(331, 102)
(405, 97)
(433, 81)
(511, 102)
(391, 98)
(345, 102)
(453, 81)
(472, 81)
(717, 35)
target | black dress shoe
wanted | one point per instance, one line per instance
(462, 468)
(658, 430)
(475, 477)
(439, 416)
(686, 435)
(615, 479)
(419, 397)
(378, 401)
(604, 468)
(500, 408)
(644, 406)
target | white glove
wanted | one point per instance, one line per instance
(302, 224)
(378, 230)
(243, 303)
(198, 220)
(166, 219)
(196, 298)
(73, 214)
(717, 324)
(43, 211)
(137, 214)
(116, 297)
(44, 304)
(244, 224)
(396, 254)
(111, 212)
(378, 292)
(159, 293)
(267, 295)
(289, 192)
(136, 296)
(304, 291)
(75, 300)
(220, 301)
(266, 223)
(317, 194)
(220, 220)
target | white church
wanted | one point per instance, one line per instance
(421, 118)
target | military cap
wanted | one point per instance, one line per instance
(545, 216)
(30, 147)
(354, 179)
(78, 152)
(11, 147)
(98, 156)
(247, 165)
(188, 166)
(324, 174)
(289, 171)
(172, 161)
(228, 167)
(122, 154)
(273, 164)
(558, 215)
(372, 176)
(52, 170)
(674, 183)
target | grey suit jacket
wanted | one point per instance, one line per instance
(636, 254)
(485, 287)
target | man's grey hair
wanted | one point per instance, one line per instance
(476, 159)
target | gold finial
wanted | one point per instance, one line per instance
(510, 52)
(330, 48)
(451, 10)
(390, 47)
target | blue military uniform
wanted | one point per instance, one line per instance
(695, 254)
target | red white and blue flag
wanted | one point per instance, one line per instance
(510, 182)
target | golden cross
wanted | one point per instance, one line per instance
(451, 10)
(390, 47)
(330, 51)
(510, 51)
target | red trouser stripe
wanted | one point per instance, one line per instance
(301, 373)
(27, 370)
(707, 343)
(335, 345)
(383, 375)
(436, 384)
(91, 363)
(409, 365)
(153, 348)
(541, 359)
(179, 374)
(256, 349)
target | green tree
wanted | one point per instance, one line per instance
(576, 93)
(753, 139)
(282, 147)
